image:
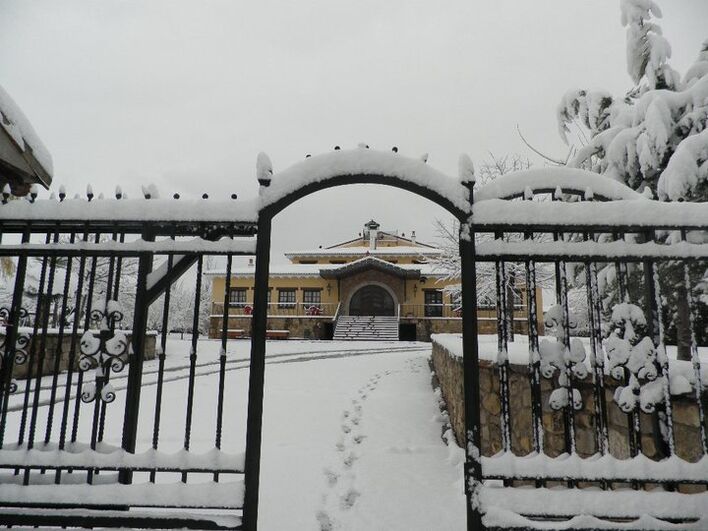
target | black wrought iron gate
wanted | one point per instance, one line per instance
(88, 436)
(94, 432)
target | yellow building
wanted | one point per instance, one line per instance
(378, 285)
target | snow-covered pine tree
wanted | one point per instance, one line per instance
(653, 139)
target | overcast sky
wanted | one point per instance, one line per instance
(184, 94)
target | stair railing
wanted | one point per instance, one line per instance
(336, 316)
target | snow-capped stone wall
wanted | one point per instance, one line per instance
(448, 369)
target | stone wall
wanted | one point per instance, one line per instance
(50, 345)
(441, 325)
(448, 369)
(309, 327)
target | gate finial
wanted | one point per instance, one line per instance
(466, 169)
(264, 169)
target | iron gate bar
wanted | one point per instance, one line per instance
(161, 364)
(112, 292)
(222, 358)
(33, 352)
(561, 287)
(193, 360)
(633, 420)
(87, 322)
(109, 517)
(584, 252)
(596, 337)
(259, 322)
(534, 358)
(135, 364)
(470, 366)
(695, 358)
(11, 332)
(490, 215)
(42, 351)
(597, 360)
(502, 350)
(655, 324)
(72, 356)
(534, 366)
(58, 353)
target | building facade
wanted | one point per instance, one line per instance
(378, 285)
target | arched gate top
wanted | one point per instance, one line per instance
(546, 180)
(361, 166)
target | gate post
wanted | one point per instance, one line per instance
(259, 322)
(470, 360)
(135, 361)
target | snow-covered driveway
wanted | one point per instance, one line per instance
(355, 443)
(351, 433)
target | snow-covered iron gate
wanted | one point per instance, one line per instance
(620, 254)
(83, 273)
(65, 341)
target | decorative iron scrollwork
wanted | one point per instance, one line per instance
(22, 341)
(633, 355)
(103, 351)
(568, 362)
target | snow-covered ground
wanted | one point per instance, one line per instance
(351, 435)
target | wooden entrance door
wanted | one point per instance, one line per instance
(371, 300)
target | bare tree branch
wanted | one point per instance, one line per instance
(557, 162)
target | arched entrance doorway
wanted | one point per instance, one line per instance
(371, 300)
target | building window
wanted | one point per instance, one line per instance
(237, 297)
(311, 297)
(286, 298)
(337, 262)
(308, 261)
(433, 302)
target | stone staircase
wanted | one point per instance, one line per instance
(366, 328)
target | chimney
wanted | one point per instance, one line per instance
(413, 236)
(371, 231)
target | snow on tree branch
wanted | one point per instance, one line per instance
(638, 138)
(648, 51)
(687, 171)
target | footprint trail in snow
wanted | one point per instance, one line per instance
(341, 493)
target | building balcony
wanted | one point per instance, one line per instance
(449, 311)
(276, 309)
